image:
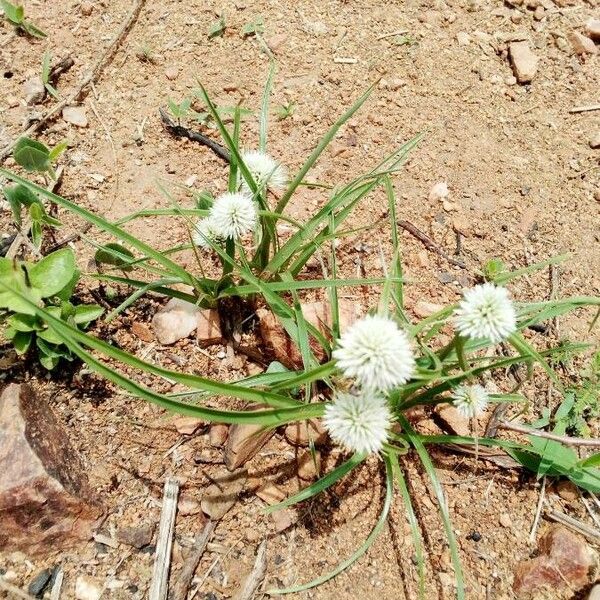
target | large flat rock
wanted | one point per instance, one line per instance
(45, 497)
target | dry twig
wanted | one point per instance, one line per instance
(257, 576)
(580, 109)
(162, 559)
(180, 589)
(564, 439)
(180, 131)
(590, 533)
(92, 76)
(429, 243)
(57, 587)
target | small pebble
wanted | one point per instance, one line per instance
(171, 73)
(86, 8)
(505, 520)
(595, 140)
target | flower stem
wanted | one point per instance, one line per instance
(230, 249)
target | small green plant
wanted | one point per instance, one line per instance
(580, 404)
(49, 283)
(46, 66)
(217, 29)
(184, 110)
(145, 53)
(36, 157)
(254, 27)
(15, 14)
(285, 111)
(21, 198)
(404, 40)
(362, 381)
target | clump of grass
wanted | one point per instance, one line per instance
(374, 372)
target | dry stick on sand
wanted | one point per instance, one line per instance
(580, 109)
(57, 587)
(180, 590)
(257, 576)
(90, 78)
(162, 559)
(180, 131)
(565, 439)
(429, 243)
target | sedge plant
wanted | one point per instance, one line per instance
(374, 372)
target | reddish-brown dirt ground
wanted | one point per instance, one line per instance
(524, 185)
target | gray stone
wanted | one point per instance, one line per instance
(34, 90)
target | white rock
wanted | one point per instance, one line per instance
(463, 38)
(439, 192)
(86, 589)
(524, 61)
(581, 44)
(75, 115)
(34, 90)
(595, 140)
(175, 321)
(592, 29)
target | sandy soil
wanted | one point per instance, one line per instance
(524, 185)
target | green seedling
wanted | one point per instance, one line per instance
(15, 14)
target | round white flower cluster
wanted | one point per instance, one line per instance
(265, 171)
(377, 354)
(486, 312)
(471, 400)
(359, 423)
(231, 216)
(235, 214)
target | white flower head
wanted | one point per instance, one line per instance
(233, 215)
(471, 400)
(375, 352)
(359, 423)
(486, 312)
(205, 232)
(265, 170)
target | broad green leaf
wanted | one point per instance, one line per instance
(86, 313)
(50, 336)
(17, 294)
(32, 155)
(22, 342)
(51, 274)
(61, 146)
(31, 29)
(18, 196)
(217, 29)
(25, 323)
(590, 461)
(14, 13)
